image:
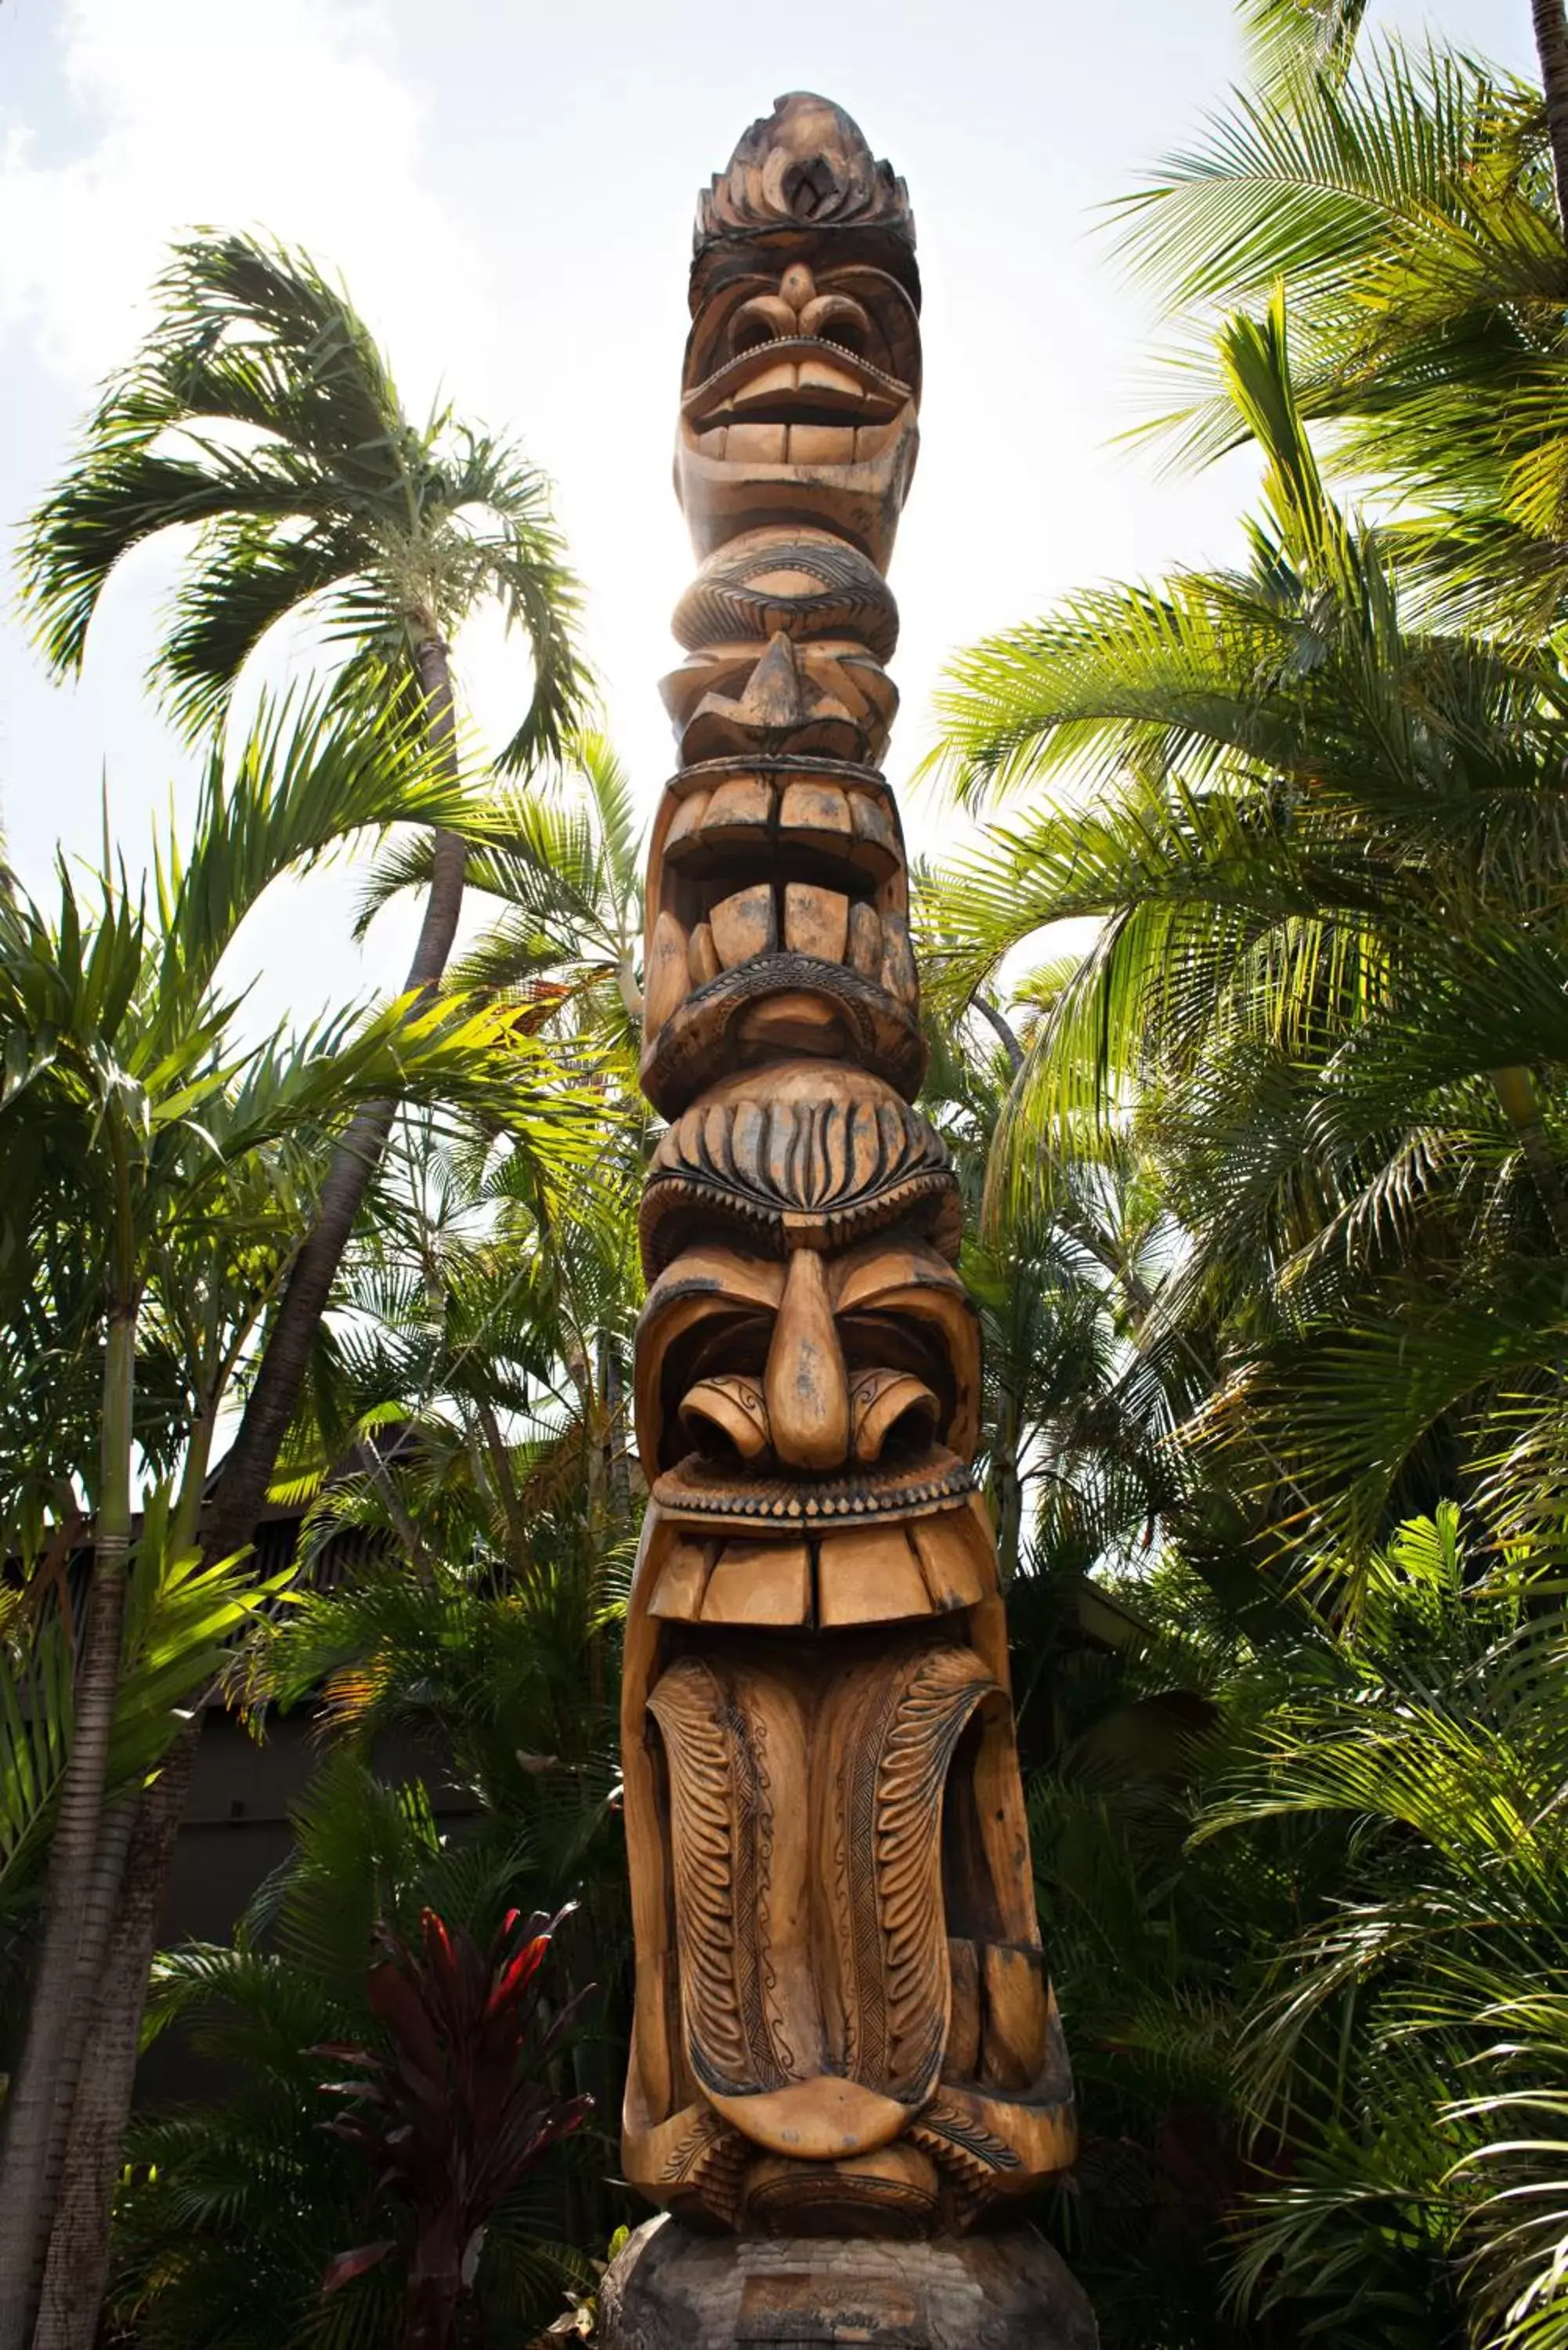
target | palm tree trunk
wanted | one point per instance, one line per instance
(78, 2246)
(183, 1525)
(84, 1880)
(392, 1501)
(597, 1442)
(620, 1457)
(1002, 1029)
(1551, 50)
(1008, 1491)
(505, 1486)
(25, 2219)
(1521, 1105)
(253, 1457)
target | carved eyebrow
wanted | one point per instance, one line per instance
(718, 1272)
(880, 1275)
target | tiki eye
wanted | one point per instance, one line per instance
(891, 331)
(724, 1352)
(877, 1342)
(737, 1345)
(888, 1352)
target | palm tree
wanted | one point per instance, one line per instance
(561, 876)
(1057, 1281)
(459, 1413)
(1412, 2037)
(179, 1617)
(1296, 41)
(563, 870)
(260, 410)
(1330, 972)
(139, 1133)
(1412, 204)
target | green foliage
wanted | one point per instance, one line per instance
(181, 1617)
(1325, 1007)
(560, 868)
(234, 2209)
(469, 1538)
(1290, 1601)
(1407, 198)
(144, 1139)
(260, 410)
(1269, 1236)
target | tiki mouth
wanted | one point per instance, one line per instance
(796, 380)
(748, 827)
(756, 864)
(712, 1493)
(796, 403)
(896, 1565)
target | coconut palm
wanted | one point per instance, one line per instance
(260, 412)
(1293, 42)
(168, 1163)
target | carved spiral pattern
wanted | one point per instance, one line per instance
(722, 1834)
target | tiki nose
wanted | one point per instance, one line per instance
(806, 1383)
(797, 285)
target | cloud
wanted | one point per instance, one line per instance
(178, 113)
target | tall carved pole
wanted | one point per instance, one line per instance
(844, 2026)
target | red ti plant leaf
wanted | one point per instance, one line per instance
(347, 2266)
(455, 2110)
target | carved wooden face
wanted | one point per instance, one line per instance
(752, 863)
(800, 393)
(828, 697)
(831, 1384)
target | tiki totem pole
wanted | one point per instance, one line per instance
(844, 2025)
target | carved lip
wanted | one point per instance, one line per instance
(697, 1490)
(796, 380)
(779, 1006)
(807, 828)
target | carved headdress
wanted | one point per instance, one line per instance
(800, 174)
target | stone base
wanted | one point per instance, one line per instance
(672, 2290)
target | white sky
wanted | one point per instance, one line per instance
(508, 187)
